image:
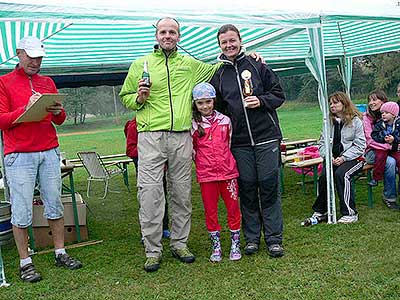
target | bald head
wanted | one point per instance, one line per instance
(167, 34)
(162, 20)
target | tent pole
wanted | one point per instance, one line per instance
(316, 63)
(115, 106)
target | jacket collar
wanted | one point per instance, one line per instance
(221, 57)
(218, 117)
(20, 71)
(159, 52)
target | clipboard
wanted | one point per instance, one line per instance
(38, 111)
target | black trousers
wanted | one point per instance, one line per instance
(260, 201)
(343, 175)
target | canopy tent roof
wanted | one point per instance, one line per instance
(86, 37)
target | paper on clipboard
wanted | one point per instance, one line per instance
(38, 111)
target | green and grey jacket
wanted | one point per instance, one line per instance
(169, 106)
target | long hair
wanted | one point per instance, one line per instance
(198, 118)
(349, 109)
(379, 94)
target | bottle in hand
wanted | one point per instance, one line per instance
(145, 74)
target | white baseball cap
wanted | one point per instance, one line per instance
(32, 46)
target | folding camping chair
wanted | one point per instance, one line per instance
(99, 170)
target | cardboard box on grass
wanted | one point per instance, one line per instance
(41, 230)
(44, 237)
(39, 221)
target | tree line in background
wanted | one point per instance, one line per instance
(380, 71)
(369, 72)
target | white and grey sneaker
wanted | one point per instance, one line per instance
(348, 219)
(319, 215)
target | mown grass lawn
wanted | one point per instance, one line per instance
(359, 261)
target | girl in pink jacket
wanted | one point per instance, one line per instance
(215, 168)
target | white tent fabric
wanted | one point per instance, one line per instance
(98, 36)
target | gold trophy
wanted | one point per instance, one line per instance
(248, 84)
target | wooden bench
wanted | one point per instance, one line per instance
(367, 172)
(311, 165)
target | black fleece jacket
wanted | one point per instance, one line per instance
(251, 126)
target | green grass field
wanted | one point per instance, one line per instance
(358, 261)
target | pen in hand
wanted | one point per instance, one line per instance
(33, 98)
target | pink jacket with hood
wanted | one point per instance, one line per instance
(212, 155)
(368, 123)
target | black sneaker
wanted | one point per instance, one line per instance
(275, 250)
(66, 261)
(28, 273)
(391, 204)
(250, 248)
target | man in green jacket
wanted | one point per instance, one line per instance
(164, 121)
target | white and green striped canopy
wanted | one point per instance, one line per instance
(95, 39)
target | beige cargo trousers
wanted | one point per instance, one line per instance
(155, 149)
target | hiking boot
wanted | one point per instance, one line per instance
(183, 254)
(66, 261)
(28, 273)
(275, 250)
(235, 246)
(250, 248)
(348, 219)
(373, 182)
(152, 264)
(391, 204)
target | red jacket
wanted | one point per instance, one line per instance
(131, 135)
(212, 155)
(15, 91)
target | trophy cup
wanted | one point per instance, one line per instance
(248, 85)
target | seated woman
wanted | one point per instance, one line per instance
(370, 117)
(348, 145)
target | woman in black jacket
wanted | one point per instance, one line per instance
(249, 92)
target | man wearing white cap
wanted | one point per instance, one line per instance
(31, 154)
